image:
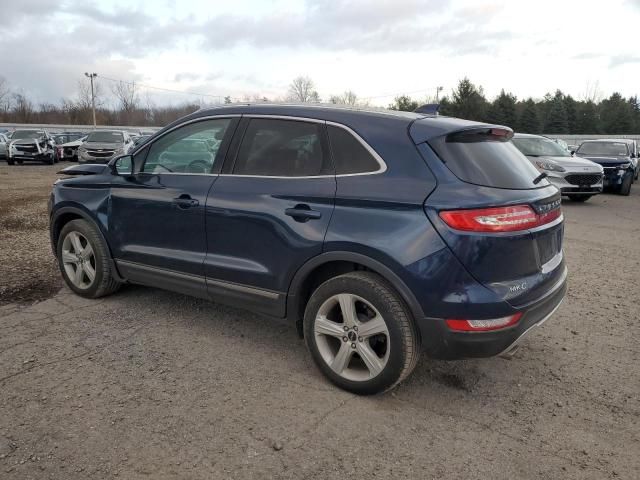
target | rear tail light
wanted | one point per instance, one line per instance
(483, 325)
(498, 219)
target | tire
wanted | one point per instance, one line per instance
(20, 162)
(103, 282)
(50, 160)
(580, 198)
(10, 162)
(396, 345)
(625, 188)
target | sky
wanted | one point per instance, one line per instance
(379, 49)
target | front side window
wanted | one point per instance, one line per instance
(282, 148)
(349, 154)
(192, 148)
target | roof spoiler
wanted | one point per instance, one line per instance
(428, 108)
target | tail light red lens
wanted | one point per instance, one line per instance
(483, 325)
(498, 219)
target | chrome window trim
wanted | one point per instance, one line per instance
(372, 152)
(193, 120)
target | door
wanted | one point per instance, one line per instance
(157, 218)
(269, 212)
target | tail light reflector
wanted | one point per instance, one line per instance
(483, 325)
(498, 219)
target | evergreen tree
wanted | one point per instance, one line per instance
(469, 101)
(587, 118)
(556, 120)
(570, 105)
(529, 118)
(502, 110)
(616, 115)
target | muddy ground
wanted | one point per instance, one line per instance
(150, 384)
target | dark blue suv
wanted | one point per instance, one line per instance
(380, 234)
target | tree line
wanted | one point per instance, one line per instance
(556, 113)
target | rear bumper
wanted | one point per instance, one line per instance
(440, 342)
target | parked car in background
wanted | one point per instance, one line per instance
(561, 142)
(577, 178)
(620, 168)
(140, 140)
(380, 235)
(4, 142)
(100, 146)
(31, 145)
(69, 150)
(634, 150)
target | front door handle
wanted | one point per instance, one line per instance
(184, 201)
(302, 213)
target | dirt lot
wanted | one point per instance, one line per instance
(149, 384)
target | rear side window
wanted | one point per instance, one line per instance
(486, 157)
(282, 148)
(349, 154)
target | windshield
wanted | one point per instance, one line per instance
(105, 137)
(616, 149)
(539, 147)
(21, 134)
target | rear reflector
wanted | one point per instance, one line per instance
(483, 325)
(498, 219)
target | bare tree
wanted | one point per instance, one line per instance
(22, 108)
(127, 95)
(302, 89)
(593, 93)
(349, 97)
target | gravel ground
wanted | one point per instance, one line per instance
(150, 384)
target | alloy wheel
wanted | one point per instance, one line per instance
(79, 260)
(352, 337)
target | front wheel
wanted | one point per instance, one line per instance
(625, 188)
(579, 198)
(84, 260)
(360, 333)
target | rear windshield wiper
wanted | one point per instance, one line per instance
(539, 178)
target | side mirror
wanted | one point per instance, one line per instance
(573, 152)
(122, 165)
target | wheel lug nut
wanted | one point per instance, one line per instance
(355, 328)
(345, 328)
(353, 345)
(360, 339)
(344, 339)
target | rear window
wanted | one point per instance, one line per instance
(486, 157)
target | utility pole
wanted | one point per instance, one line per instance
(91, 76)
(438, 90)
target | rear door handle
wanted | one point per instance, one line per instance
(185, 201)
(302, 213)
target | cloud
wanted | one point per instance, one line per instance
(620, 60)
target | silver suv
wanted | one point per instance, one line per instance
(575, 177)
(102, 145)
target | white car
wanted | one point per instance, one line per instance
(575, 177)
(4, 142)
(69, 150)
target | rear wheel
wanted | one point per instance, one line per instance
(579, 198)
(625, 188)
(360, 333)
(10, 162)
(84, 260)
(50, 159)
